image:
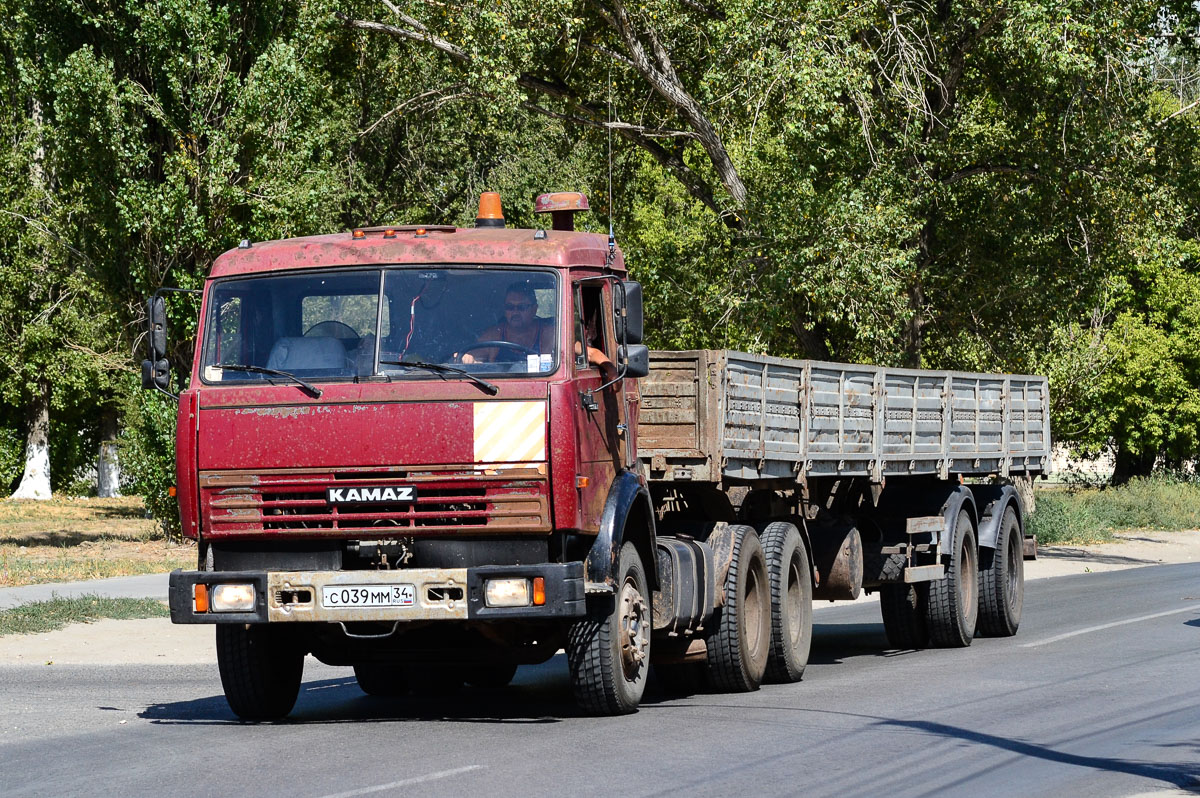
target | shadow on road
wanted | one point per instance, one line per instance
(1186, 776)
(1083, 555)
(835, 643)
(538, 694)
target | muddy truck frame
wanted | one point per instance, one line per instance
(434, 454)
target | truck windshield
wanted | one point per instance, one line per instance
(342, 325)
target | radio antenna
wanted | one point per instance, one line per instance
(612, 239)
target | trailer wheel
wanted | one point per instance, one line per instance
(492, 674)
(608, 652)
(1002, 581)
(741, 639)
(903, 610)
(954, 600)
(381, 679)
(790, 577)
(261, 668)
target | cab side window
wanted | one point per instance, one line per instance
(589, 322)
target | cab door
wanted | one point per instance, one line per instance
(599, 414)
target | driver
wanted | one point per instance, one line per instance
(521, 326)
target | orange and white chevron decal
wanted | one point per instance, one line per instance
(510, 432)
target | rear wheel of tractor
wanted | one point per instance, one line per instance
(953, 607)
(608, 652)
(1002, 580)
(491, 674)
(790, 578)
(741, 638)
(381, 679)
(261, 669)
(903, 610)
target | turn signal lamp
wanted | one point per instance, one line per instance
(233, 598)
(200, 598)
(539, 591)
(490, 212)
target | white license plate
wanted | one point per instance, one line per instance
(338, 596)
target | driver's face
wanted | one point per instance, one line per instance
(519, 310)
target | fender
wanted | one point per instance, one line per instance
(626, 494)
(959, 498)
(995, 499)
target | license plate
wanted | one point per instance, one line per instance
(337, 596)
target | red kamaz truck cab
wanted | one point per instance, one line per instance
(408, 450)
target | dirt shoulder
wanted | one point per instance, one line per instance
(1130, 550)
(157, 641)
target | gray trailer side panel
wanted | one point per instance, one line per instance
(716, 415)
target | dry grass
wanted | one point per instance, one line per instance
(66, 539)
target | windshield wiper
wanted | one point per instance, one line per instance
(308, 387)
(442, 370)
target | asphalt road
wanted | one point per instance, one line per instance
(1098, 695)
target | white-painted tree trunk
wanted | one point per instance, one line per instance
(108, 469)
(35, 482)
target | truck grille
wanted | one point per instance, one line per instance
(452, 499)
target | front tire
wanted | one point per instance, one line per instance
(953, 607)
(261, 669)
(790, 578)
(609, 654)
(741, 641)
(1002, 581)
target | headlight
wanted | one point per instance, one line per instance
(507, 592)
(233, 598)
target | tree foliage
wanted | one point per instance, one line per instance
(1004, 184)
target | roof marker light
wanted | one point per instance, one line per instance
(359, 234)
(389, 233)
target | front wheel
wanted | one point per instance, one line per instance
(608, 652)
(261, 669)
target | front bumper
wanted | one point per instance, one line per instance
(439, 594)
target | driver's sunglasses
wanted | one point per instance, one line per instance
(521, 307)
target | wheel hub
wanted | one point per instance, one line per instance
(635, 631)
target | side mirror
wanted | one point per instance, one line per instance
(156, 314)
(636, 360)
(156, 374)
(629, 313)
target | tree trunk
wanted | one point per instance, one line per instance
(108, 469)
(1130, 464)
(35, 482)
